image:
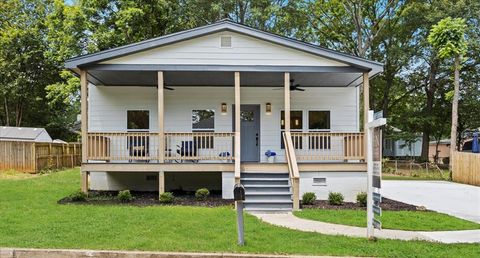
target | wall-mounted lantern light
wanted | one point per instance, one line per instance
(224, 108)
(297, 122)
(268, 108)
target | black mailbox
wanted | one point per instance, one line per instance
(239, 192)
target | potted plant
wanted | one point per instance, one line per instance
(270, 156)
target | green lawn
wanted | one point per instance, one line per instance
(405, 220)
(31, 217)
(406, 177)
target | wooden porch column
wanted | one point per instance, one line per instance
(287, 102)
(366, 108)
(84, 183)
(161, 128)
(237, 128)
(84, 126)
(84, 113)
(161, 183)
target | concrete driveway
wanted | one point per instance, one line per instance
(455, 199)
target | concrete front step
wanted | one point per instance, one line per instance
(268, 206)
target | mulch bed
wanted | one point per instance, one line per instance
(148, 199)
(387, 204)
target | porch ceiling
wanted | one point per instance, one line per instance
(223, 78)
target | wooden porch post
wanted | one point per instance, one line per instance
(161, 127)
(366, 108)
(84, 115)
(161, 183)
(237, 128)
(287, 102)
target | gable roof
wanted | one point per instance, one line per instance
(21, 133)
(223, 25)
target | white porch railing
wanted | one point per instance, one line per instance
(326, 146)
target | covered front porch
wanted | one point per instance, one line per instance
(182, 123)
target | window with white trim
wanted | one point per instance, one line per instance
(203, 120)
(319, 121)
(296, 125)
(138, 120)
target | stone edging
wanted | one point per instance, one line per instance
(76, 253)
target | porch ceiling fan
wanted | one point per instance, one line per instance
(293, 87)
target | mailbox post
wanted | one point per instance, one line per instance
(239, 197)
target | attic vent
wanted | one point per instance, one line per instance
(225, 41)
(319, 181)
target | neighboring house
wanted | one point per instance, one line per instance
(442, 153)
(161, 116)
(401, 148)
(8, 133)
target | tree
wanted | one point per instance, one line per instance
(448, 37)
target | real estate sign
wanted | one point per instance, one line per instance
(374, 170)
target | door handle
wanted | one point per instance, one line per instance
(256, 139)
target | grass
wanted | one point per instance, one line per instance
(13, 174)
(403, 177)
(415, 174)
(31, 217)
(404, 220)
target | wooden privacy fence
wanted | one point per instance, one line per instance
(466, 168)
(32, 157)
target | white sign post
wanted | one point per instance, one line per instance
(374, 167)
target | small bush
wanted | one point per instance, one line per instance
(335, 198)
(362, 199)
(166, 197)
(125, 196)
(202, 194)
(78, 196)
(308, 198)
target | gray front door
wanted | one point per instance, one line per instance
(250, 132)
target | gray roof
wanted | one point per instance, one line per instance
(24, 133)
(223, 25)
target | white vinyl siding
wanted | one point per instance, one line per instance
(108, 106)
(244, 50)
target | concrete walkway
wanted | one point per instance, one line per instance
(454, 199)
(288, 220)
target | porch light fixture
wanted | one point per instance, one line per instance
(224, 108)
(268, 108)
(297, 122)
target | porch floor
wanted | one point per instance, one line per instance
(225, 167)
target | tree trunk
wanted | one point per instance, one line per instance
(456, 92)
(430, 92)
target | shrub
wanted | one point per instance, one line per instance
(335, 198)
(125, 196)
(308, 198)
(78, 196)
(202, 194)
(166, 197)
(362, 199)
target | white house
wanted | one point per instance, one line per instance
(9, 133)
(161, 115)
